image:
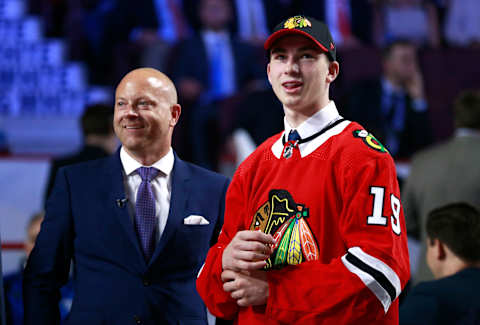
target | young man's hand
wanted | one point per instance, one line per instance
(247, 251)
(248, 288)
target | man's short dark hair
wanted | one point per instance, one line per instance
(457, 225)
(388, 49)
(97, 120)
(467, 109)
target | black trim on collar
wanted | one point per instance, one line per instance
(313, 136)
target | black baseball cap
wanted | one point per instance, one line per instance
(306, 26)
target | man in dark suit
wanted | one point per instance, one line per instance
(99, 141)
(214, 51)
(213, 66)
(453, 255)
(394, 107)
(137, 224)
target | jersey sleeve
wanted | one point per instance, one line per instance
(209, 282)
(365, 281)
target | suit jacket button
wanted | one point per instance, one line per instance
(137, 319)
(146, 282)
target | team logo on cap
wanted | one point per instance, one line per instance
(297, 22)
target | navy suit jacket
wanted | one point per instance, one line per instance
(451, 301)
(364, 106)
(113, 284)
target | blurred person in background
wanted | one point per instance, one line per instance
(251, 18)
(133, 34)
(136, 224)
(447, 172)
(212, 66)
(13, 282)
(453, 256)
(99, 141)
(254, 19)
(462, 23)
(350, 21)
(154, 27)
(394, 107)
(413, 20)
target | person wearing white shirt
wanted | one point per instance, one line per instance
(137, 224)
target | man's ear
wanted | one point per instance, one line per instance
(175, 111)
(439, 249)
(333, 70)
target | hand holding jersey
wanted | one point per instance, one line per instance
(247, 251)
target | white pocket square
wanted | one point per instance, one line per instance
(195, 220)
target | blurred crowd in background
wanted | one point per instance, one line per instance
(61, 55)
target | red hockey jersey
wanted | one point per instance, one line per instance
(334, 209)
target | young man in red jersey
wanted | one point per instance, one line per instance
(314, 230)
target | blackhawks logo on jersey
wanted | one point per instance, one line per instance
(286, 221)
(369, 140)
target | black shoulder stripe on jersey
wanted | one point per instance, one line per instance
(377, 275)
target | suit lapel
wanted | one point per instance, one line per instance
(117, 193)
(178, 203)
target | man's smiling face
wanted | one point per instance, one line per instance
(143, 117)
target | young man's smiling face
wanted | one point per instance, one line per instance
(300, 74)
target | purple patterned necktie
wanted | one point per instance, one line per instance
(145, 220)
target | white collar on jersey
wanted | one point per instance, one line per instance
(321, 119)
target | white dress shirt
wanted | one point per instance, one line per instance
(318, 121)
(161, 185)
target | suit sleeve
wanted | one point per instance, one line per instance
(221, 212)
(365, 281)
(209, 282)
(48, 266)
